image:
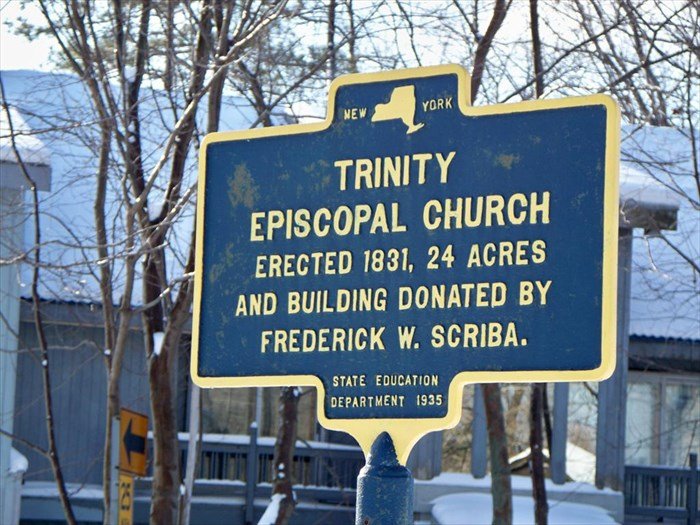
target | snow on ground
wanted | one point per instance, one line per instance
(48, 489)
(428, 493)
(475, 509)
(517, 482)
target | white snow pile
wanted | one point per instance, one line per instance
(430, 495)
(476, 509)
(580, 464)
(272, 510)
(18, 463)
(157, 343)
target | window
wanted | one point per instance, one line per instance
(232, 410)
(681, 426)
(641, 429)
(663, 418)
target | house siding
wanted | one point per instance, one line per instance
(78, 386)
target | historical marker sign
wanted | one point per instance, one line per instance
(406, 246)
(133, 431)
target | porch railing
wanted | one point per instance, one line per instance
(325, 472)
(663, 492)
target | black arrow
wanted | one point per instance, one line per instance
(133, 442)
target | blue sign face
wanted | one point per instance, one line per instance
(409, 243)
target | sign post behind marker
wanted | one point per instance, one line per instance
(384, 487)
(126, 499)
(114, 462)
(407, 246)
(130, 450)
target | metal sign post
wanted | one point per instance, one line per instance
(384, 487)
(406, 246)
(114, 465)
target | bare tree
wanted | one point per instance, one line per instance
(51, 453)
(284, 454)
(537, 392)
(115, 49)
(643, 52)
(501, 489)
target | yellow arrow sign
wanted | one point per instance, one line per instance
(133, 430)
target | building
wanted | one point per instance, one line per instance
(657, 380)
(13, 183)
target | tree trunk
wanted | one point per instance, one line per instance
(539, 493)
(284, 454)
(166, 467)
(39, 325)
(501, 490)
(162, 365)
(547, 413)
(352, 37)
(332, 71)
(163, 360)
(537, 392)
(500, 9)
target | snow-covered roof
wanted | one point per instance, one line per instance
(18, 463)
(665, 298)
(24, 158)
(55, 106)
(648, 193)
(31, 149)
(656, 174)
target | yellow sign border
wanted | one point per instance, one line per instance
(406, 432)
